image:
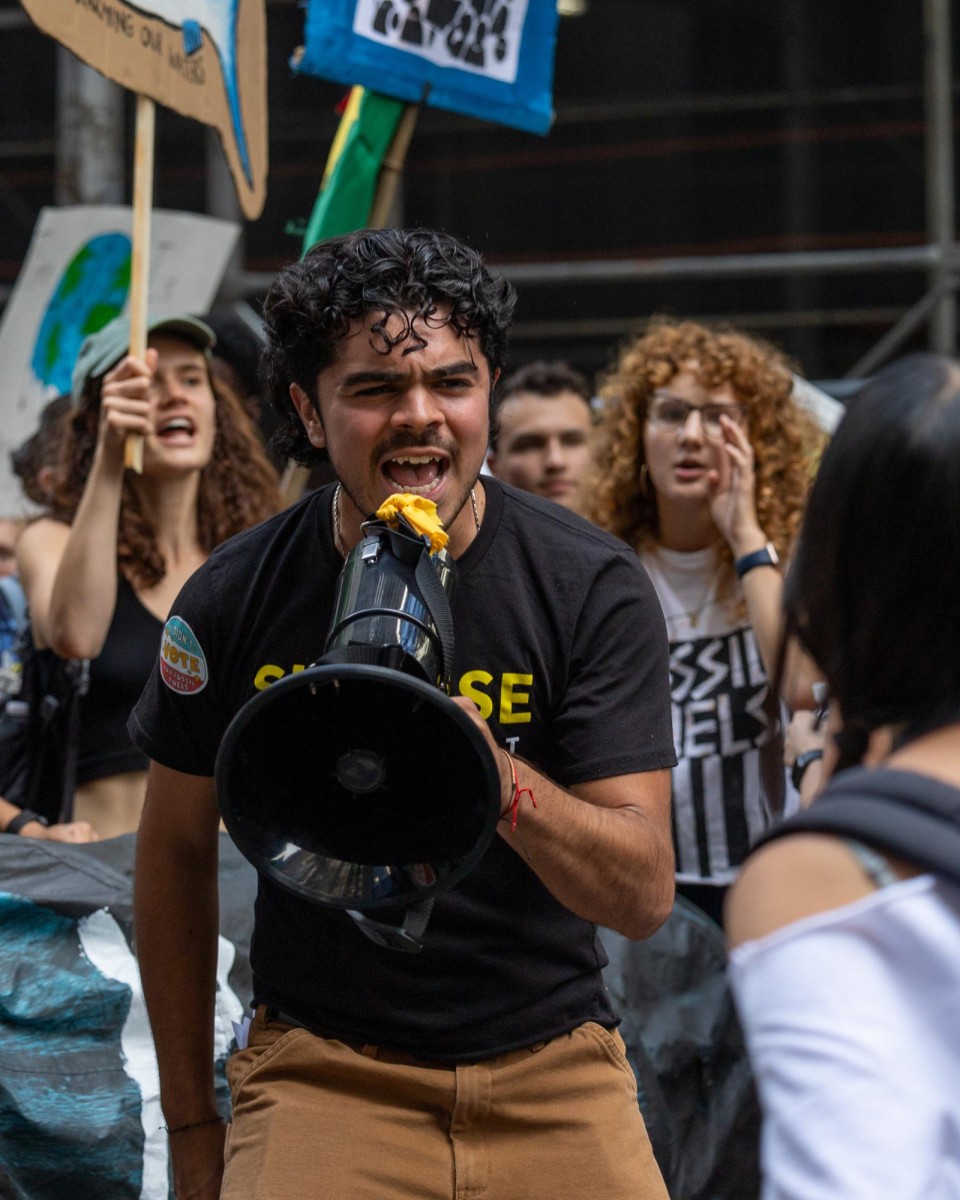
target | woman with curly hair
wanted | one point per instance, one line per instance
(703, 464)
(103, 567)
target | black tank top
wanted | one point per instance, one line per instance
(117, 677)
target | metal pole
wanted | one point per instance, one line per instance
(801, 176)
(939, 171)
(222, 202)
(706, 266)
(90, 129)
(898, 333)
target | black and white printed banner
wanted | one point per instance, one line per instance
(491, 59)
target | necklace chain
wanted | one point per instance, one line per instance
(694, 614)
(338, 540)
(476, 511)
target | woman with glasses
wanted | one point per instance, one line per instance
(703, 463)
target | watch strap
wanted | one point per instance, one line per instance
(767, 557)
(800, 766)
(24, 817)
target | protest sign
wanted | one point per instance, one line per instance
(76, 278)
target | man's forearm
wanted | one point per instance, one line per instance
(611, 865)
(177, 917)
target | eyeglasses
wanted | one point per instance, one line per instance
(671, 413)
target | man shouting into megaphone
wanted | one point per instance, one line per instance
(488, 1063)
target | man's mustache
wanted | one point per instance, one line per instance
(426, 441)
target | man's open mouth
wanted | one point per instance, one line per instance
(416, 473)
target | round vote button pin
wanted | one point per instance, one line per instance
(183, 665)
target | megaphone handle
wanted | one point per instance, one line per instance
(405, 937)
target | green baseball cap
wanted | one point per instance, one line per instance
(104, 349)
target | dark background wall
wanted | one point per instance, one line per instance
(684, 127)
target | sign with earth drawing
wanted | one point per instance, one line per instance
(76, 278)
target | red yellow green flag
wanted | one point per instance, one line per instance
(367, 128)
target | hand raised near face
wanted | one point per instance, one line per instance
(733, 504)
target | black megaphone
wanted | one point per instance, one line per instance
(357, 783)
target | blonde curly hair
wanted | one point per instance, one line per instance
(786, 442)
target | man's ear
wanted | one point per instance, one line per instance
(308, 414)
(492, 461)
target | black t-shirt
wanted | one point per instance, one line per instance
(561, 642)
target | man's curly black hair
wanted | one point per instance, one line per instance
(429, 279)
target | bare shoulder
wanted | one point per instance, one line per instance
(793, 878)
(40, 539)
(40, 549)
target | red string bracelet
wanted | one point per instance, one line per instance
(514, 805)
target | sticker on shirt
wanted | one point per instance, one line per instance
(183, 664)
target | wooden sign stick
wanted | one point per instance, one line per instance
(140, 254)
(392, 167)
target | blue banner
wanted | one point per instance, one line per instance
(491, 59)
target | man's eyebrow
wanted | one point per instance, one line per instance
(466, 367)
(356, 378)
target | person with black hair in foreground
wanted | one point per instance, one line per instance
(846, 953)
(489, 1063)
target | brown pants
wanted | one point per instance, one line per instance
(316, 1119)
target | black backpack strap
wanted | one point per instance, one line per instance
(78, 674)
(911, 816)
(56, 732)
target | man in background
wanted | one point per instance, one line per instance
(541, 442)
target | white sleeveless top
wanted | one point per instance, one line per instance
(852, 1019)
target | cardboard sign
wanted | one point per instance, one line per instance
(205, 59)
(74, 280)
(491, 59)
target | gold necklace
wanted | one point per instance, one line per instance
(476, 511)
(693, 615)
(337, 540)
